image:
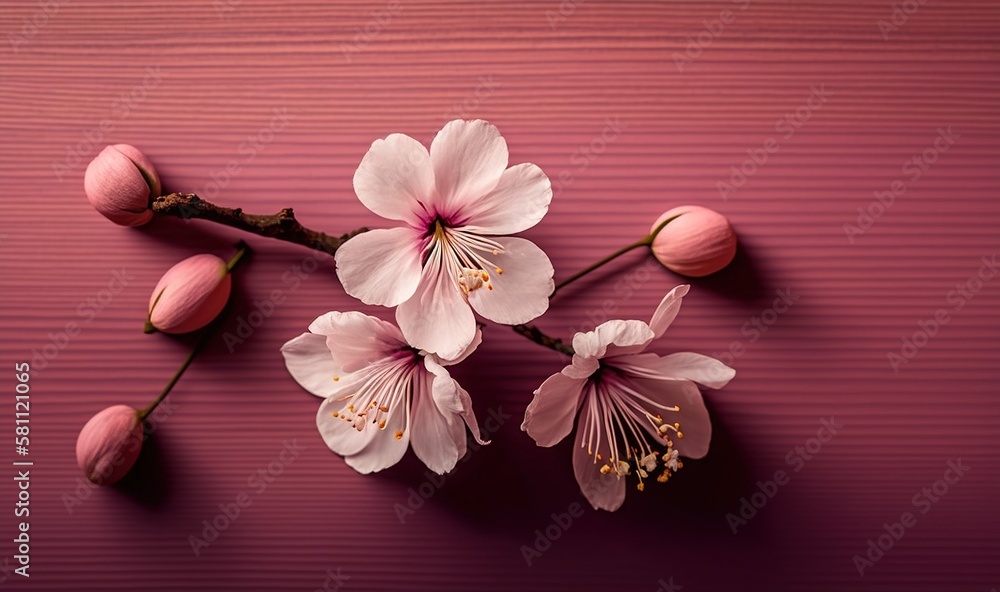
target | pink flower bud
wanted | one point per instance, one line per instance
(189, 295)
(109, 444)
(119, 183)
(697, 243)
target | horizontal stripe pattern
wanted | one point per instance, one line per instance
(605, 97)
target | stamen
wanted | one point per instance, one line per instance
(617, 410)
(463, 255)
(387, 383)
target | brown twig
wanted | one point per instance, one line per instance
(535, 334)
(282, 226)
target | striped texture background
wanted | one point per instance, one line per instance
(555, 77)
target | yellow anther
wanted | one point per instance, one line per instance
(399, 435)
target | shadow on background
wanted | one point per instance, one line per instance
(149, 483)
(741, 280)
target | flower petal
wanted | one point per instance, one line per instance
(468, 159)
(476, 341)
(438, 438)
(356, 340)
(518, 202)
(604, 492)
(468, 414)
(437, 318)
(667, 311)
(704, 370)
(612, 338)
(582, 366)
(381, 267)
(396, 179)
(450, 397)
(549, 417)
(311, 364)
(521, 293)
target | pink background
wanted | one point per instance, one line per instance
(550, 83)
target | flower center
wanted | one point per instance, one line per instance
(386, 388)
(620, 423)
(466, 256)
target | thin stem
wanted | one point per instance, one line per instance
(241, 250)
(282, 226)
(644, 241)
(177, 375)
(592, 267)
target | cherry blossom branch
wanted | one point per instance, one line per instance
(535, 334)
(282, 226)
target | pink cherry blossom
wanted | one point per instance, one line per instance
(631, 405)
(448, 258)
(381, 395)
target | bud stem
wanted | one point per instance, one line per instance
(180, 371)
(242, 249)
(644, 241)
(282, 226)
